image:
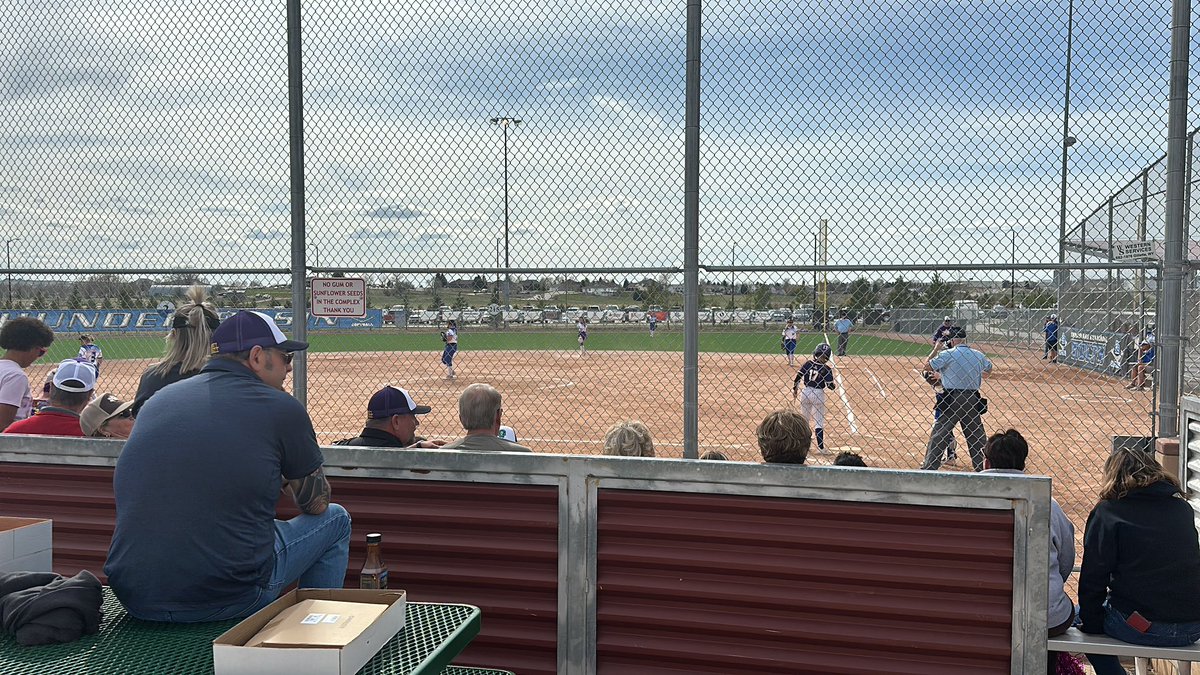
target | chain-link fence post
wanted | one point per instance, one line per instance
(295, 74)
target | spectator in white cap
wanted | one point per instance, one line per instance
(197, 483)
(392, 422)
(107, 417)
(479, 412)
(70, 392)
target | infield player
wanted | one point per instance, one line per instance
(90, 351)
(814, 377)
(581, 325)
(788, 339)
(450, 337)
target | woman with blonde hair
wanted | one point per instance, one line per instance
(188, 344)
(1140, 579)
(629, 439)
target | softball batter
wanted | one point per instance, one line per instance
(816, 376)
(450, 337)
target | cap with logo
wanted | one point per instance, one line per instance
(392, 400)
(247, 329)
(72, 375)
(100, 411)
(508, 433)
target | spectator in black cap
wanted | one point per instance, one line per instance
(196, 486)
(961, 369)
(392, 422)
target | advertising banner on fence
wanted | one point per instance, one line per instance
(1089, 349)
(151, 320)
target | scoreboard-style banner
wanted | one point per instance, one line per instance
(158, 321)
(1090, 349)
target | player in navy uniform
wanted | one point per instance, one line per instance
(942, 334)
(788, 340)
(653, 319)
(1051, 331)
(581, 325)
(816, 376)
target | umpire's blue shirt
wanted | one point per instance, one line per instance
(961, 367)
(196, 487)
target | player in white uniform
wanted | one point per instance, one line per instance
(581, 325)
(816, 376)
(91, 351)
(450, 337)
(788, 340)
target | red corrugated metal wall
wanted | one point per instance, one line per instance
(691, 583)
(494, 546)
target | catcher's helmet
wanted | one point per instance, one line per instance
(823, 350)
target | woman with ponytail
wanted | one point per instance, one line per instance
(188, 346)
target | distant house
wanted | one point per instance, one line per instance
(566, 286)
(605, 288)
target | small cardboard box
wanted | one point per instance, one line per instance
(26, 545)
(231, 656)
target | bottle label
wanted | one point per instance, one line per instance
(378, 581)
(383, 579)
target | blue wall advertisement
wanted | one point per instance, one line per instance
(1090, 349)
(158, 321)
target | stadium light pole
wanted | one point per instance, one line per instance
(1067, 141)
(504, 123)
(8, 266)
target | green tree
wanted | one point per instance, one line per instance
(939, 294)
(478, 283)
(435, 300)
(1039, 298)
(75, 301)
(901, 294)
(762, 296)
(460, 303)
(862, 294)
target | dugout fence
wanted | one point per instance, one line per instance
(517, 167)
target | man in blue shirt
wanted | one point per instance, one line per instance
(962, 369)
(196, 486)
(843, 326)
(1051, 331)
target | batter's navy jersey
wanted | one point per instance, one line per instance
(814, 375)
(942, 334)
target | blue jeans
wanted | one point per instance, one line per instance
(311, 550)
(1160, 634)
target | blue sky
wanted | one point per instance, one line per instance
(923, 131)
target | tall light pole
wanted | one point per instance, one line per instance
(504, 123)
(1012, 282)
(8, 266)
(1067, 141)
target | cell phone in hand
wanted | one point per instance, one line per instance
(1138, 622)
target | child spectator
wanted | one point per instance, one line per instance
(629, 439)
(24, 340)
(714, 455)
(784, 437)
(847, 458)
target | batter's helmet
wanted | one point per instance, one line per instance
(823, 350)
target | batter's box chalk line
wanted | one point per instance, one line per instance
(468, 378)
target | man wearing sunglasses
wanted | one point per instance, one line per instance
(196, 485)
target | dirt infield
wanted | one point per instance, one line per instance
(564, 402)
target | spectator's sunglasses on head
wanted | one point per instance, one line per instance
(42, 351)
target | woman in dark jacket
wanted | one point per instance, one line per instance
(1140, 580)
(188, 346)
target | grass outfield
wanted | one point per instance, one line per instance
(758, 342)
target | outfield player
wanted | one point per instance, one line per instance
(816, 376)
(91, 352)
(653, 319)
(450, 337)
(1051, 331)
(788, 338)
(581, 326)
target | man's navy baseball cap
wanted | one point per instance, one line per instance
(393, 400)
(248, 329)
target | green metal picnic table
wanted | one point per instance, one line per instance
(433, 635)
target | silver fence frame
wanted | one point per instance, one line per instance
(579, 479)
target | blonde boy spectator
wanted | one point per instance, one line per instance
(629, 439)
(784, 437)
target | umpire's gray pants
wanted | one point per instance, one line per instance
(843, 343)
(958, 407)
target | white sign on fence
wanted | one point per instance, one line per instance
(339, 296)
(1134, 250)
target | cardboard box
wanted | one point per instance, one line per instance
(231, 656)
(318, 623)
(26, 545)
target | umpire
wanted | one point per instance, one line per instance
(962, 370)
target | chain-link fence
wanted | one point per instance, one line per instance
(516, 167)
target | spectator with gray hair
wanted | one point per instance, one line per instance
(480, 412)
(629, 438)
